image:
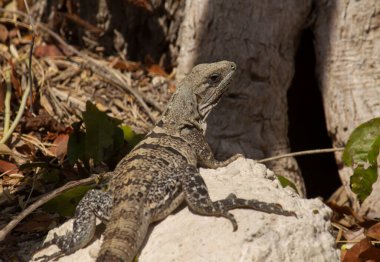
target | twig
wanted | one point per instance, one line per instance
(83, 23)
(7, 101)
(15, 22)
(45, 198)
(18, 116)
(31, 190)
(356, 241)
(29, 16)
(9, 171)
(301, 153)
(30, 73)
(30, 55)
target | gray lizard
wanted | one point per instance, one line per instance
(160, 173)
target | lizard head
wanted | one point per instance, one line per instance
(197, 94)
(209, 81)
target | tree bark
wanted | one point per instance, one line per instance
(348, 53)
(262, 38)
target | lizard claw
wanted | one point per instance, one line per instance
(232, 219)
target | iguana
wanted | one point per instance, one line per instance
(160, 173)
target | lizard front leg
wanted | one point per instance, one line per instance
(198, 200)
(94, 204)
(203, 151)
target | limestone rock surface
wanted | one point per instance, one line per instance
(185, 236)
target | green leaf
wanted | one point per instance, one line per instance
(128, 133)
(76, 147)
(102, 133)
(374, 152)
(286, 182)
(362, 180)
(361, 154)
(65, 204)
(101, 141)
(131, 137)
(363, 144)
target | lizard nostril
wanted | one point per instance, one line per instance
(233, 66)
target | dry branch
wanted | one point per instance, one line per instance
(302, 153)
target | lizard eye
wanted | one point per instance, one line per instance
(214, 78)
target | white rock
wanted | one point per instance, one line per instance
(185, 236)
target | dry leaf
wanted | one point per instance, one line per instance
(83, 23)
(157, 70)
(374, 231)
(343, 253)
(47, 51)
(26, 39)
(362, 251)
(3, 33)
(5, 150)
(8, 167)
(21, 5)
(59, 148)
(26, 149)
(129, 66)
(16, 84)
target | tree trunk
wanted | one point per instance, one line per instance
(262, 38)
(348, 53)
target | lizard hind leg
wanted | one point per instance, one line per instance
(199, 201)
(232, 202)
(94, 204)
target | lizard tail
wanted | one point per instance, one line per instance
(123, 238)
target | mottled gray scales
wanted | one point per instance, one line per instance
(162, 172)
(94, 204)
